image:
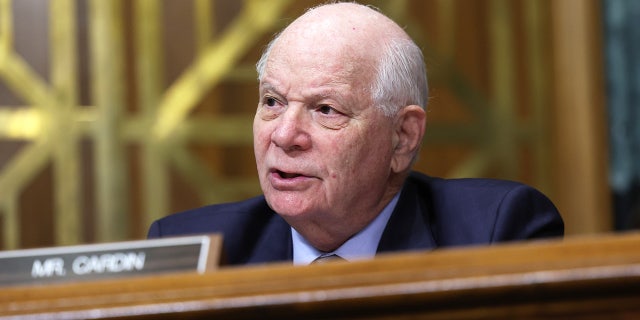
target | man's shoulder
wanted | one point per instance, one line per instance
(465, 192)
(252, 232)
(474, 210)
(442, 185)
(222, 217)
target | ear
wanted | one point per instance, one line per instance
(409, 130)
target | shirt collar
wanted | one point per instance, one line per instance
(363, 245)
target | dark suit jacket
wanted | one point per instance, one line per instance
(430, 213)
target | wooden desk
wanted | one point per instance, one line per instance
(587, 278)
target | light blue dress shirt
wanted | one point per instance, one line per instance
(363, 245)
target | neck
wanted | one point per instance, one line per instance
(327, 236)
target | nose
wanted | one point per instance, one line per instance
(290, 133)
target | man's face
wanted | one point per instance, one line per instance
(323, 150)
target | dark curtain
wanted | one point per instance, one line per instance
(622, 54)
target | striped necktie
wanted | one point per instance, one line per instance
(327, 258)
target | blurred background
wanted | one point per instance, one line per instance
(115, 113)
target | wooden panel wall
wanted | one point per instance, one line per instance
(114, 113)
(580, 117)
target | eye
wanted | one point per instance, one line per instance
(325, 109)
(270, 101)
(270, 107)
(330, 117)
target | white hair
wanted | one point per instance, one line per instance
(262, 63)
(401, 77)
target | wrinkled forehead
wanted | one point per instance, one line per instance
(313, 65)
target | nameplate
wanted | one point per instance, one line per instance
(110, 260)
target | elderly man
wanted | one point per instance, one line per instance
(339, 123)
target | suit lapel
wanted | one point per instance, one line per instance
(274, 244)
(408, 227)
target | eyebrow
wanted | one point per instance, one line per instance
(268, 86)
(329, 93)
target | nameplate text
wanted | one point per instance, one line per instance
(110, 260)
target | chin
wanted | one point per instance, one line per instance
(287, 206)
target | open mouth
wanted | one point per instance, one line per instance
(287, 175)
